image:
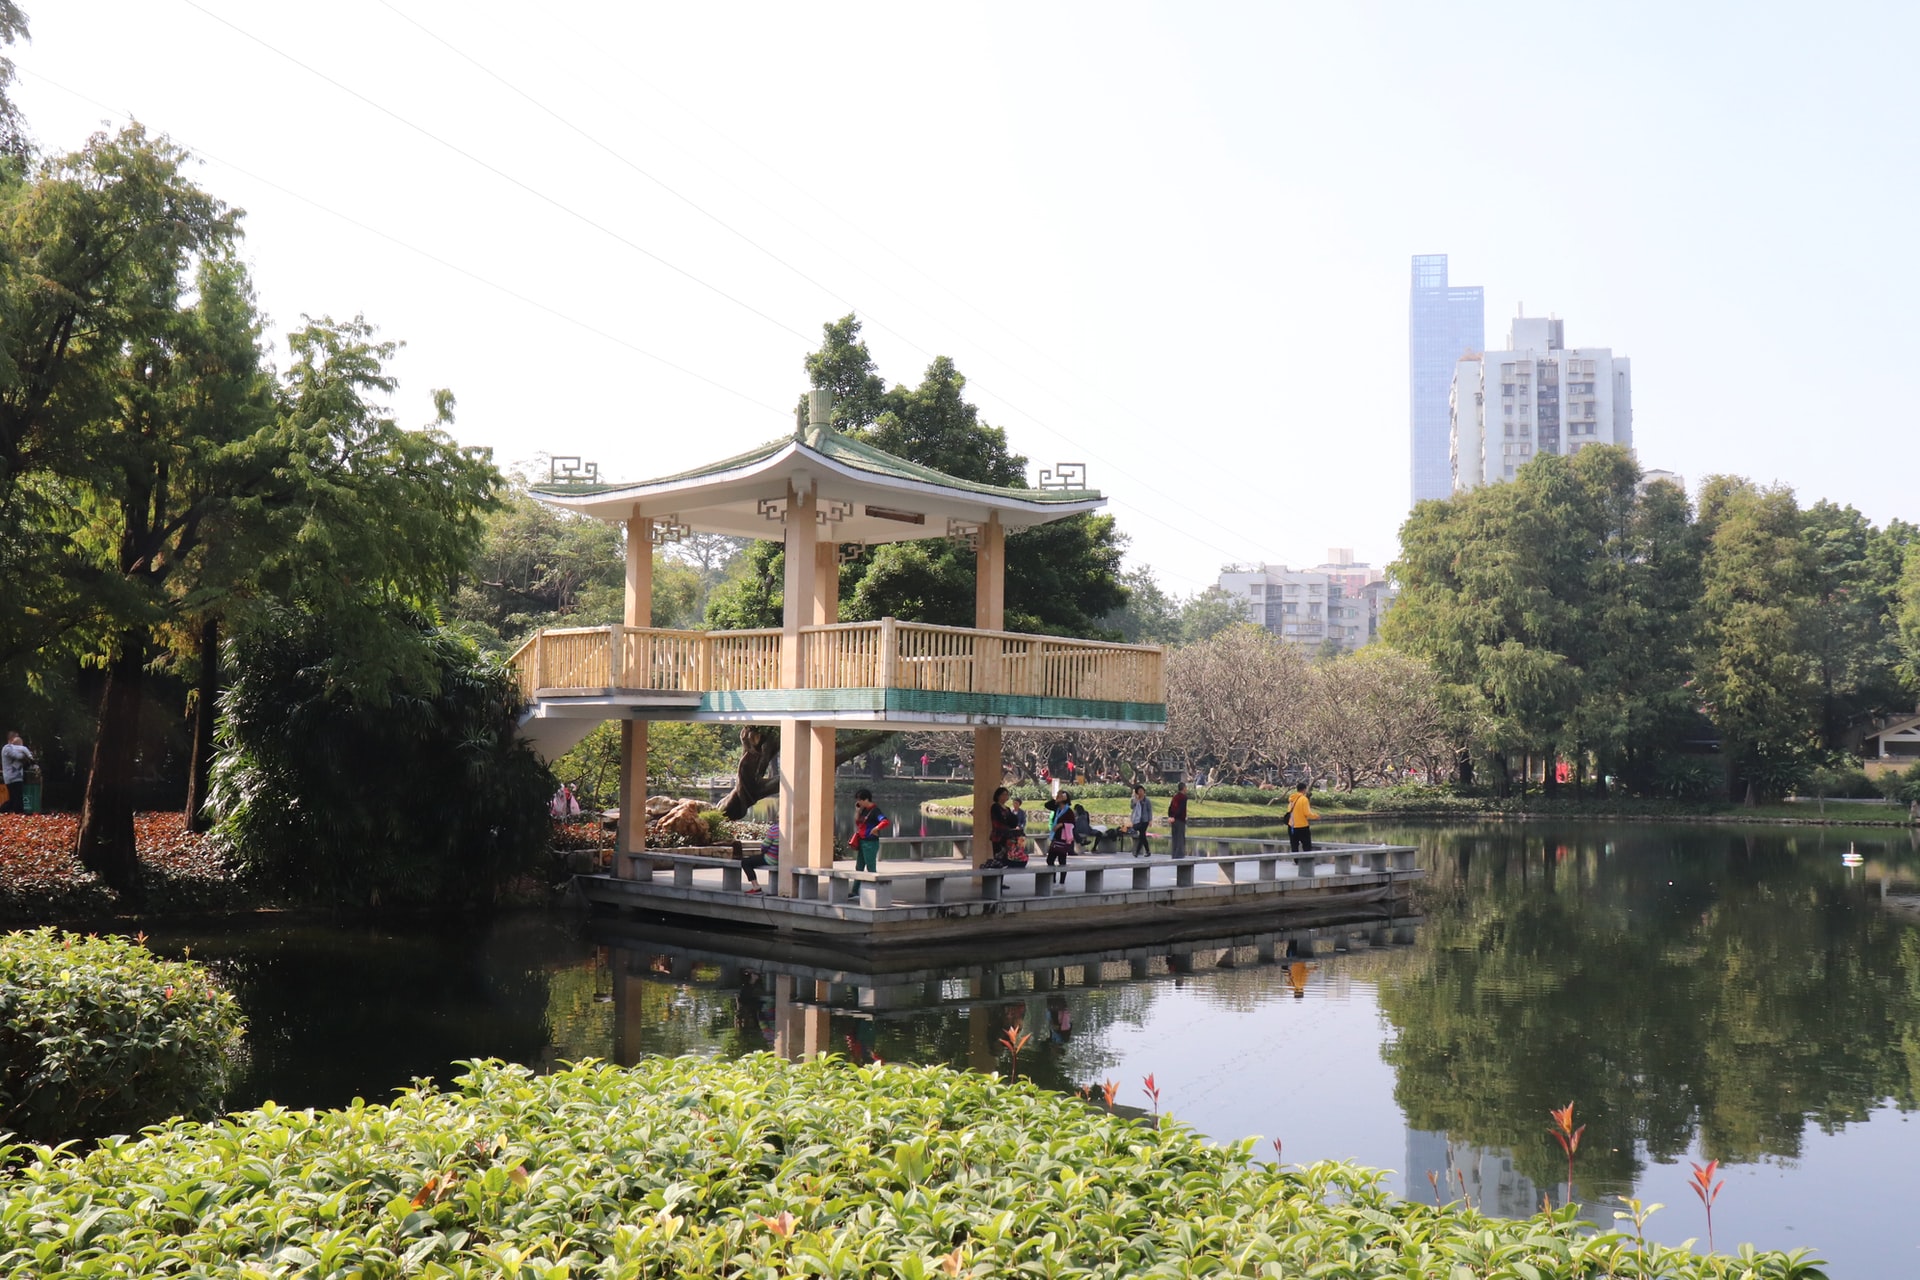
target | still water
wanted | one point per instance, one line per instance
(1694, 991)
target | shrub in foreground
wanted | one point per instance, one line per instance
(688, 1168)
(97, 1036)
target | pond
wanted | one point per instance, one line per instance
(1737, 992)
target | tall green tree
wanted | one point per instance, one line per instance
(1063, 578)
(1557, 609)
(213, 492)
(1754, 667)
(1849, 623)
(95, 254)
(14, 143)
(1906, 616)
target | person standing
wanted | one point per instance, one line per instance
(1005, 829)
(1141, 817)
(15, 760)
(1177, 815)
(1060, 838)
(869, 822)
(1300, 816)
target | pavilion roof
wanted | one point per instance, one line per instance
(732, 495)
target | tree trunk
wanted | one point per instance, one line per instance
(206, 696)
(1550, 774)
(106, 815)
(760, 747)
(1503, 776)
(1463, 766)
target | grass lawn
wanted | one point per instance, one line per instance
(1117, 807)
(1328, 805)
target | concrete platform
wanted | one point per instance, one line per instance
(1342, 882)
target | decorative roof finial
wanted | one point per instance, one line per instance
(819, 417)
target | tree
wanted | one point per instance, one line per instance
(1231, 704)
(1753, 668)
(94, 257)
(212, 494)
(1365, 716)
(1906, 616)
(1062, 578)
(1855, 573)
(1150, 615)
(416, 790)
(1206, 614)
(14, 144)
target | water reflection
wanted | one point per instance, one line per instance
(1713, 990)
(1696, 991)
(680, 992)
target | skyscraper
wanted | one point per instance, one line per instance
(1444, 324)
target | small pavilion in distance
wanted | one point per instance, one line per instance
(819, 491)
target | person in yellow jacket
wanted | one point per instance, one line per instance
(1300, 816)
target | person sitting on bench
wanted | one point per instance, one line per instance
(768, 855)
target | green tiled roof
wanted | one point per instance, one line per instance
(848, 452)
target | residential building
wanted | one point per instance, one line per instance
(1537, 396)
(1341, 600)
(1444, 323)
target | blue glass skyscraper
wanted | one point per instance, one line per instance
(1445, 323)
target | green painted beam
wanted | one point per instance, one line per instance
(797, 703)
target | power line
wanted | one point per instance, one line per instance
(436, 259)
(502, 174)
(924, 274)
(560, 205)
(867, 314)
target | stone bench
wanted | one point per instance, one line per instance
(843, 886)
(641, 866)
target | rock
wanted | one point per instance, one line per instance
(660, 806)
(683, 820)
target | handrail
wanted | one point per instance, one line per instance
(887, 654)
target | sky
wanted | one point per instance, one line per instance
(1170, 241)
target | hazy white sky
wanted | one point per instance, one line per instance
(1170, 241)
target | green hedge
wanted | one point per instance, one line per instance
(757, 1167)
(99, 1036)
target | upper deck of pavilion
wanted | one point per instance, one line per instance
(849, 673)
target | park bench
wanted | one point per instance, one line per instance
(641, 866)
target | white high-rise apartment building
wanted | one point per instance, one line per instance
(1342, 600)
(1537, 396)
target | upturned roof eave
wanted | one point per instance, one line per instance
(615, 500)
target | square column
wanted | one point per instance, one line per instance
(806, 825)
(989, 614)
(631, 834)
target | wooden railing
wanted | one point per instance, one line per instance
(850, 655)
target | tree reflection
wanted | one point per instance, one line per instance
(1731, 984)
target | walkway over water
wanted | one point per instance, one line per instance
(919, 901)
(849, 674)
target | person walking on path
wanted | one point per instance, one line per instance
(1141, 818)
(1300, 816)
(1177, 815)
(15, 760)
(1060, 838)
(869, 823)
